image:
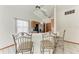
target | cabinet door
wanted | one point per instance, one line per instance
(33, 24)
(48, 27)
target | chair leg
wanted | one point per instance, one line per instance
(16, 52)
(30, 51)
(33, 50)
(54, 50)
(22, 52)
(42, 50)
(63, 48)
(49, 51)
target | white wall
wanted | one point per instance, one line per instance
(68, 22)
(7, 21)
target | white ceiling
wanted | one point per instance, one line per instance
(50, 9)
(30, 9)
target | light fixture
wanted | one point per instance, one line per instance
(40, 12)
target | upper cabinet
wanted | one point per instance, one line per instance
(42, 26)
(33, 24)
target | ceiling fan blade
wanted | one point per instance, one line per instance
(40, 14)
(41, 11)
(44, 11)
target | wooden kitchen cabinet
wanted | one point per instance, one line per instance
(33, 23)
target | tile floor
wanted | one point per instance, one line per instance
(69, 48)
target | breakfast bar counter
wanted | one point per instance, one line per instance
(36, 37)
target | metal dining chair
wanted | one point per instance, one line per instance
(60, 41)
(23, 42)
(47, 44)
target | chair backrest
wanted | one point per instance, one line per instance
(21, 37)
(48, 37)
(64, 33)
(62, 40)
(61, 34)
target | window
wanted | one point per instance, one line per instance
(22, 26)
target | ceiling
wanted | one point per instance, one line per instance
(29, 9)
(49, 10)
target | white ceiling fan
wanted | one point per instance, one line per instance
(41, 12)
